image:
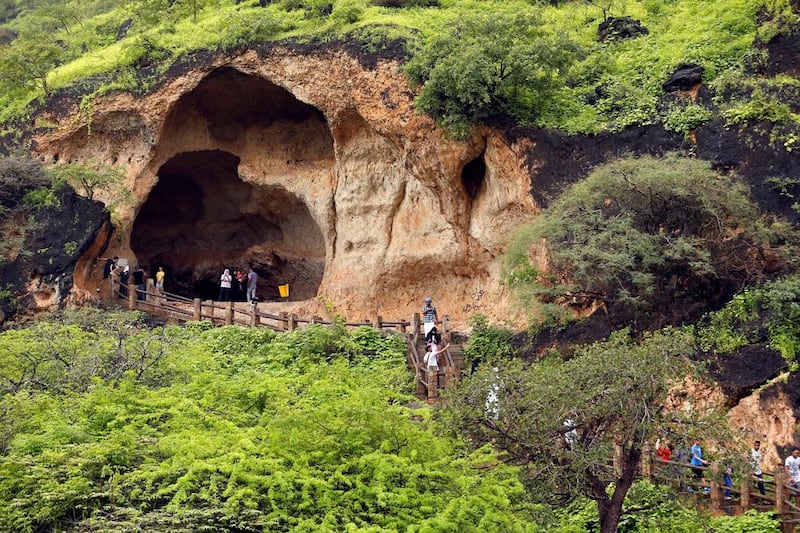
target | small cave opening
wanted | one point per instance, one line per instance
(201, 218)
(473, 175)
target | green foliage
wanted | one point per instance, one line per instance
(489, 64)
(18, 178)
(90, 178)
(750, 522)
(616, 391)
(642, 231)
(770, 313)
(687, 118)
(488, 343)
(230, 429)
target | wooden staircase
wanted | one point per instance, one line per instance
(451, 362)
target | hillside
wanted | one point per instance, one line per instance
(585, 188)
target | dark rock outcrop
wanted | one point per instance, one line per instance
(619, 28)
(684, 78)
(55, 237)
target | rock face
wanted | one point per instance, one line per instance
(313, 169)
(56, 239)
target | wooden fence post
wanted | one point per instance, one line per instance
(149, 287)
(415, 324)
(292, 322)
(284, 320)
(744, 487)
(781, 494)
(132, 297)
(447, 337)
(716, 501)
(432, 377)
(198, 310)
(228, 313)
(376, 321)
(254, 318)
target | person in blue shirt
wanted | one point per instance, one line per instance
(697, 462)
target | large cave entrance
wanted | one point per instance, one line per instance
(201, 218)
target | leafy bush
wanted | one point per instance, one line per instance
(488, 343)
(641, 232)
(770, 313)
(489, 64)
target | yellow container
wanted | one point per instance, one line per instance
(284, 290)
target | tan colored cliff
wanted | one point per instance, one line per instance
(316, 170)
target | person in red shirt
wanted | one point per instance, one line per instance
(664, 451)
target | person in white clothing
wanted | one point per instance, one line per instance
(792, 467)
(431, 361)
(755, 461)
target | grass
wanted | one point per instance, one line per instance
(714, 33)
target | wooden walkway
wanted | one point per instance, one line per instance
(735, 498)
(176, 308)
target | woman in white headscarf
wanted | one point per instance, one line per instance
(225, 286)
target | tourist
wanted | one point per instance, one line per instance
(252, 285)
(160, 275)
(792, 468)
(225, 286)
(138, 280)
(755, 461)
(429, 316)
(111, 263)
(123, 281)
(663, 451)
(699, 464)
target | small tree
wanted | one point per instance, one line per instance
(564, 419)
(89, 178)
(27, 62)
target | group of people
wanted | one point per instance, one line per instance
(112, 269)
(240, 282)
(433, 339)
(699, 466)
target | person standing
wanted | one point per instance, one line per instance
(252, 285)
(429, 316)
(160, 275)
(123, 281)
(109, 266)
(108, 270)
(225, 286)
(792, 468)
(138, 280)
(698, 463)
(755, 461)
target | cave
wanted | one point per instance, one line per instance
(472, 176)
(201, 218)
(203, 215)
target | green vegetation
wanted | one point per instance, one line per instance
(540, 63)
(109, 425)
(769, 314)
(642, 232)
(563, 419)
(90, 178)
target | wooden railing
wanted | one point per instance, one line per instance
(179, 308)
(732, 498)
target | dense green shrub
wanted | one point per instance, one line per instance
(487, 64)
(641, 232)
